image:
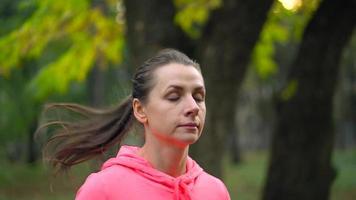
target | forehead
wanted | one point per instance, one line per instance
(178, 74)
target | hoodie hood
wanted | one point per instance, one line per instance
(181, 186)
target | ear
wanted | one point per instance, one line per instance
(139, 111)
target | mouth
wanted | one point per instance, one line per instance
(189, 125)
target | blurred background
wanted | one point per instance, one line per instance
(280, 78)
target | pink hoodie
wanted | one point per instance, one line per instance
(131, 177)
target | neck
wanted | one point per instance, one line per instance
(165, 158)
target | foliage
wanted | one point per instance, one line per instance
(13, 13)
(17, 111)
(93, 34)
(46, 47)
(192, 15)
(282, 26)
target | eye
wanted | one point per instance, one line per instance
(173, 96)
(199, 97)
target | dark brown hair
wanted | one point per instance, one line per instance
(74, 142)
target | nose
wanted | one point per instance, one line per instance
(192, 107)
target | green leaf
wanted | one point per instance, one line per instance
(192, 15)
(95, 37)
(289, 91)
(281, 27)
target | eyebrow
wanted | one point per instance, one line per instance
(177, 87)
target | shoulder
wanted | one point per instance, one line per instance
(99, 185)
(93, 188)
(214, 185)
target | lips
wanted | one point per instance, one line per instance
(189, 125)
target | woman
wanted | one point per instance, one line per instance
(168, 100)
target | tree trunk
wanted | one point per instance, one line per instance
(345, 99)
(32, 148)
(225, 50)
(150, 27)
(96, 86)
(234, 148)
(300, 165)
(96, 80)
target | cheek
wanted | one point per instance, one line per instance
(162, 117)
(202, 115)
(203, 110)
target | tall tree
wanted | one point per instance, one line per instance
(224, 52)
(300, 165)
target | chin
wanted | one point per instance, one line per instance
(189, 139)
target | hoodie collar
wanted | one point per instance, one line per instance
(180, 186)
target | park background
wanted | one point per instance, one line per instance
(280, 78)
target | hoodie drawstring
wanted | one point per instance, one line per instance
(179, 185)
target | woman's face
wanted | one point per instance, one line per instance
(175, 109)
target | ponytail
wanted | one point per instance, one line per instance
(76, 142)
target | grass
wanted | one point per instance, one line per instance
(23, 182)
(344, 186)
(20, 182)
(245, 181)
